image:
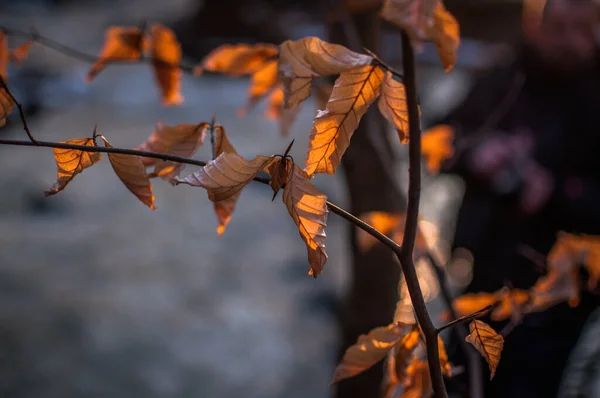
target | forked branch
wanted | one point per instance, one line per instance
(405, 253)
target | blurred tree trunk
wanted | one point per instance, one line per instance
(372, 295)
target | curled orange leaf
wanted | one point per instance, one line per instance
(238, 59)
(308, 208)
(487, 342)
(425, 20)
(303, 60)
(179, 140)
(373, 347)
(225, 176)
(6, 106)
(71, 162)
(224, 208)
(132, 173)
(121, 44)
(393, 106)
(166, 55)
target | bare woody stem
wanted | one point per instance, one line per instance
(405, 253)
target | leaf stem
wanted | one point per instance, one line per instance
(465, 318)
(84, 57)
(405, 254)
(20, 107)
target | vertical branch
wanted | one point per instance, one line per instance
(405, 254)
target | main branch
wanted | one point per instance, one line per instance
(405, 254)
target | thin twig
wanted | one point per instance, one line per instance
(378, 61)
(405, 254)
(134, 152)
(20, 107)
(84, 57)
(465, 318)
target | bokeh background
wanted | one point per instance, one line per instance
(100, 297)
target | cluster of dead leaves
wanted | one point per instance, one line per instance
(129, 169)
(560, 284)
(259, 61)
(223, 178)
(17, 56)
(407, 370)
(130, 43)
(226, 176)
(362, 81)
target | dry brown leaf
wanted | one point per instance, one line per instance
(132, 173)
(166, 55)
(370, 349)
(487, 342)
(222, 143)
(445, 33)
(6, 106)
(121, 44)
(225, 176)
(392, 105)
(436, 146)
(224, 209)
(238, 59)
(353, 93)
(303, 60)
(419, 380)
(444, 361)
(472, 302)
(179, 140)
(71, 162)
(511, 305)
(426, 20)
(308, 208)
(19, 54)
(4, 55)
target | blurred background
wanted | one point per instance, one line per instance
(101, 297)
